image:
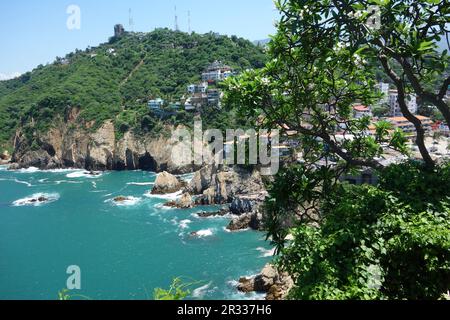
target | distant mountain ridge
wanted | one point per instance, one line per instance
(262, 42)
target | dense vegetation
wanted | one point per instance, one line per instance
(385, 241)
(390, 241)
(116, 85)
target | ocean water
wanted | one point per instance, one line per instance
(124, 252)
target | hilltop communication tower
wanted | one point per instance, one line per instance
(176, 20)
(131, 20)
(189, 21)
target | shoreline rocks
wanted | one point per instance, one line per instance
(71, 144)
(242, 189)
(246, 221)
(5, 158)
(185, 202)
(121, 199)
(220, 213)
(271, 281)
(221, 185)
(167, 183)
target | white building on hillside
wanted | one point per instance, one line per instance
(411, 102)
(384, 89)
(156, 104)
(197, 88)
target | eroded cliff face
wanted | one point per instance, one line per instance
(69, 146)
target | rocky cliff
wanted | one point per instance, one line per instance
(67, 145)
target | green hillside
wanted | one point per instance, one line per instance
(115, 79)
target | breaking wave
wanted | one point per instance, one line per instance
(84, 174)
(128, 202)
(34, 200)
(140, 183)
(169, 196)
(265, 253)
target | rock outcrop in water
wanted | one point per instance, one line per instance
(167, 183)
(121, 199)
(5, 158)
(67, 145)
(222, 185)
(241, 188)
(271, 281)
(185, 202)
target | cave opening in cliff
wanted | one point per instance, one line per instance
(147, 163)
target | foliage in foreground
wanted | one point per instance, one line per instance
(385, 242)
(178, 290)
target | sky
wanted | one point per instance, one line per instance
(35, 32)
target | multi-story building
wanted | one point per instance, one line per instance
(217, 71)
(197, 88)
(213, 96)
(411, 102)
(119, 30)
(444, 129)
(361, 111)
(407, 127)
(189, 106)
(156, 104)
(384, 89)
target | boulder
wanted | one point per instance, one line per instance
(226, 184)
(281, 288)
(202, 180)
(166, 183)
(38, 159)
(185, 202)
(240, 223)
(240, 206)
(5, 155)
(276, 284)
(221, 213)
(252, 220)
(246, 285)
(266, 279)
(121, 199)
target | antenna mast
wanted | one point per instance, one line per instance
(131, 21)
(189, 21)
(176, 20)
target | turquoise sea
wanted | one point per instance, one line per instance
(124, 252)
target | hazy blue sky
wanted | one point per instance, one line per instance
(35, 32)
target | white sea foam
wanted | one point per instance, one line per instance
(32, 200)
(204, 233)
(18, 181)
(184, 224)
(235, 231)
(266, 253)
(29, 170)
(169, 196)
(3, 168)
(67, 181)
(140, 183)
(62, 170)
(23, 182)
(200, 292)
(129, 202)
(213, 217)
(237, 295)
(84, 174)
